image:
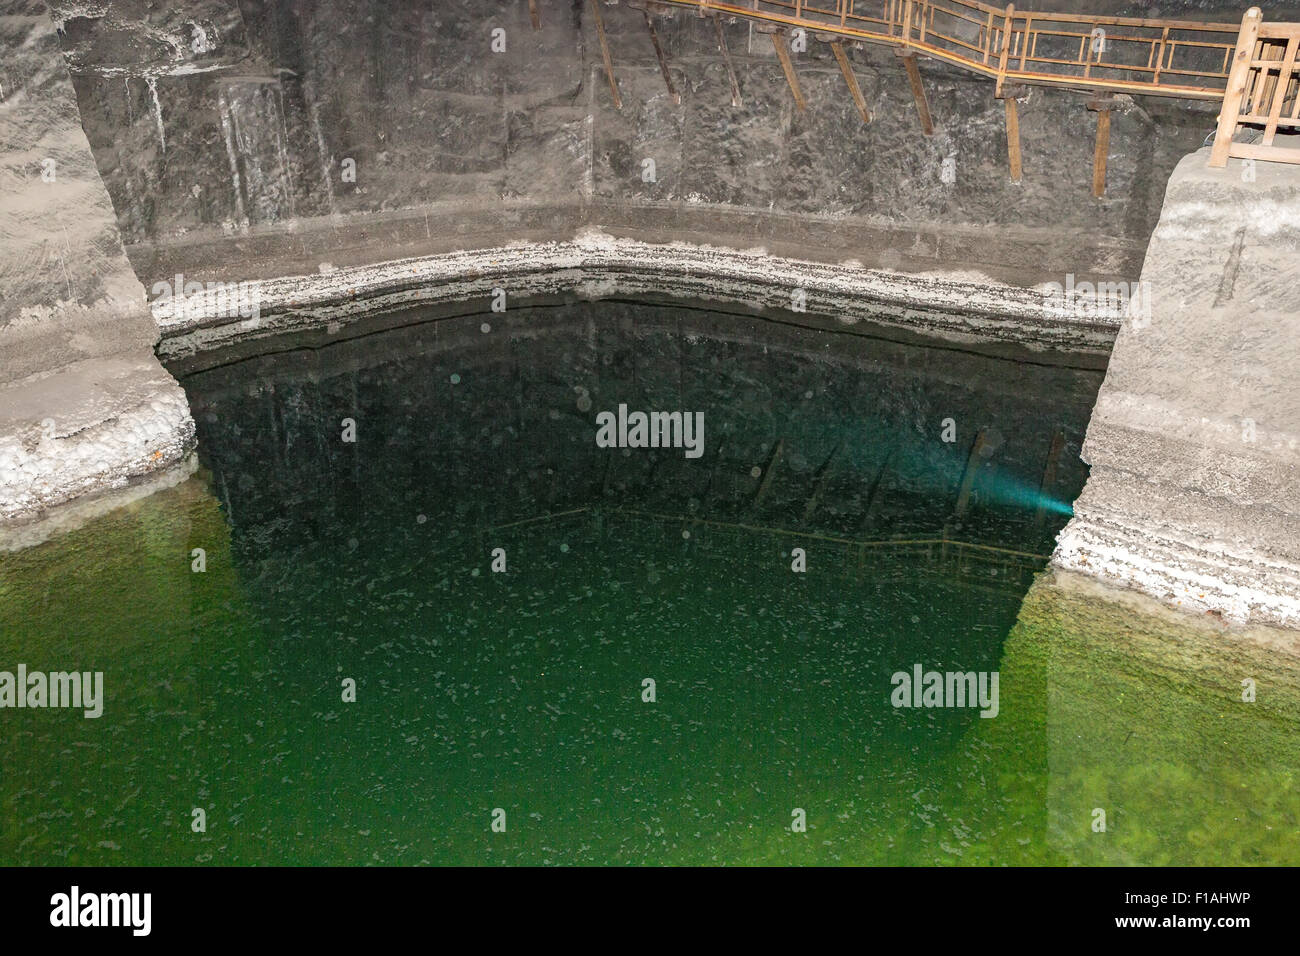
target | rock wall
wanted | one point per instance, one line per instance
(1194, 494)
(84, 404)
(270, 135)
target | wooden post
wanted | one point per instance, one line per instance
(819, 486)
(918, 93)
(1238, 77)
(604, 52)
(874, 492)
(726, 59)
(532, 12)
(1102, 106)
(1049, 478)
(968, 478)
(663, 64)
(852, 81)
(772, 462)
(783, 54)
(1013, 133)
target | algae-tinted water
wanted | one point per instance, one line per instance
(521, 695)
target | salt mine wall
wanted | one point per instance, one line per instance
(230, 132)
(84, 404)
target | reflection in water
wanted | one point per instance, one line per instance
(648, 679)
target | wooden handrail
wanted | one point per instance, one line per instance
(1180, 58)
(1264, 79)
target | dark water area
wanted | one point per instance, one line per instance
(437, 622)
(458, 430)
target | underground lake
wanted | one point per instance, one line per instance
(410, 608)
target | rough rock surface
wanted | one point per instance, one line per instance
(84, 404)
(596, 266)
(228, 134)
(1194, 494)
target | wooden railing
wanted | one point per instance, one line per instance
(1183, 58)
(1263, 90)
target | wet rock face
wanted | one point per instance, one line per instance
(212, 117)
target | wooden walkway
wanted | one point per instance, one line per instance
(1184, 58)
(1251, 68)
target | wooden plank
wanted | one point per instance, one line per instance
(726, 59)
(1269, 84)
(850, 80)
(659, 55)
(604, 52)
(783, 54)
(1007, 23)
(532, 12)
(915, 26)
(1274, 154)
(1279, 91)
(1238, 78)
(1013, 138)
(918, 93)
(1101, 151)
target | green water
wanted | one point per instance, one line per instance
(523, 690)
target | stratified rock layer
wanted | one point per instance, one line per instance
(1194, 448)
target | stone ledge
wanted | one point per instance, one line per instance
(1228, 579)
(88, 428)
(594, 266)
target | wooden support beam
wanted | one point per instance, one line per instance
(532, 12)
(1100, 153)
(777, 453)
(968, 477)
(713, 475)
(1013, 138)
(604, 52)
(783, 54)
(1049, 478)
(874, 492)
(918, 93)
(819, 486)
(1007, 23)
(1102, 106)
(850, 80)
(726, 59)
(663, 63)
